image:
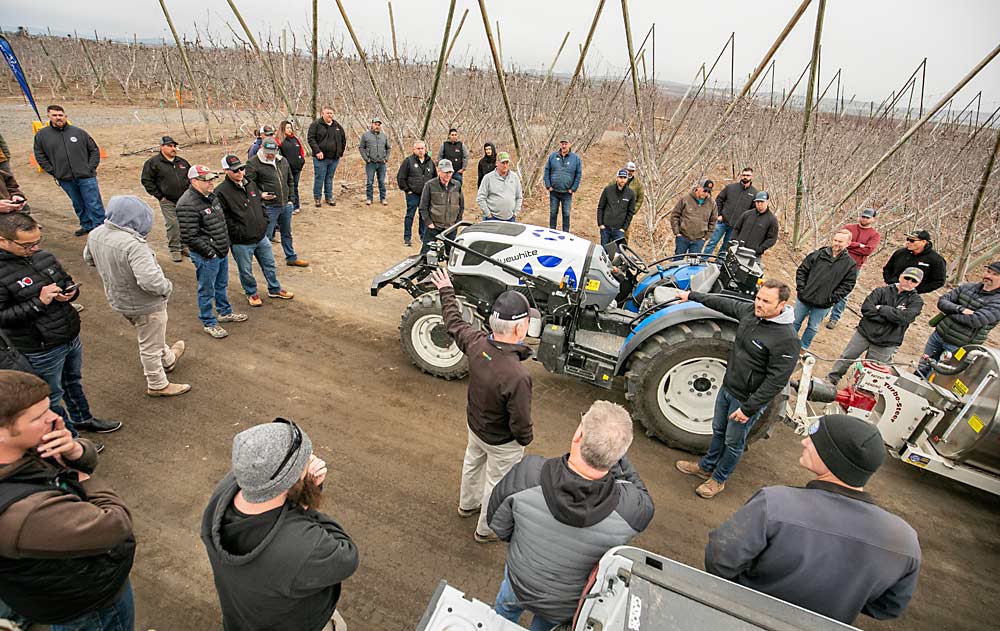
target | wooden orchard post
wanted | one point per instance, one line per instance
(810, 88)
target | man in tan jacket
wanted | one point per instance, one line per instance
(693, 219)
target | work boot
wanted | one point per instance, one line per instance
(832, 324)
(283, 294)
(170, 390)
(710, 488)
(177, 348)
(255, 300)
(331, 202)
(468, 512)
(176, 257)
(689, 467)
(98, 426)
(490, 538)
(318, 203)
(297, 263)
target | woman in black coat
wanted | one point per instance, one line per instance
(293, 150)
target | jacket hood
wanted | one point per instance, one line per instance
(493, 158)
(574, 500)
(228, 491)
(787, 316)
(131, 213)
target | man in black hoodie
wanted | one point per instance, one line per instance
(824, 277)
(918, 252)
(560, 515)
(327, 142)
(278, 562)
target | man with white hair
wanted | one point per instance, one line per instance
(499, 400)
(560, 515)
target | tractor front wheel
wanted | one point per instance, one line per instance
(424, 337)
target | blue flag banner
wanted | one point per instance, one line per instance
(15, 67)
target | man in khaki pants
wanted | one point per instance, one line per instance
(499, 404)
(136, 287)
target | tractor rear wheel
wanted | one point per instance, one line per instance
(673, 379)
(424, 337)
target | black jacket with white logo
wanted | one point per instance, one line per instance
(32, 326)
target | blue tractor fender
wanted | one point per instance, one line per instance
(663, 319)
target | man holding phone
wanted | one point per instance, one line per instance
(12, 200)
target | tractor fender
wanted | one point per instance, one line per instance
(662, 319)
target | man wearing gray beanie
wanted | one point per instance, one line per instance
(827, 547)
(278, 562)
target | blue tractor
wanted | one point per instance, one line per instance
(607, 316)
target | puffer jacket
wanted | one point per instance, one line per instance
(203, 228)
(67, 152)
(243, 209)
(886, 314)
(440, 205)
(271, 177)
(692, 220)
(134, 282)
(822, 279)
(558, 525)
(165, 179)
(32, 326)
(960, 329)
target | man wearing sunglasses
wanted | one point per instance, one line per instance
(278, 562)
(918, 252)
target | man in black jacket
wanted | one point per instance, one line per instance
(38, 319)
(734, 200)
(204, 232)
(885, 315)
(762, 359)
(416, 170)
(827, 547)
(918, 252)
(757, 229)
(278, 562)
(616, 208)
(499, 400)
(269, 170)
(327, 142)
(239, 201)
(164, 176)
(71, 156)
(824, 277)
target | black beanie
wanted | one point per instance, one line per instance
(850, 448)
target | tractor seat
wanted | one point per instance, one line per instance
(705, 279)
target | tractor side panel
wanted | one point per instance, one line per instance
(663, 319)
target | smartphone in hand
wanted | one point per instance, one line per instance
(68, 290)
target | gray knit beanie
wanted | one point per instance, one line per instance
(257, 454)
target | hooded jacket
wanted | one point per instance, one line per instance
(825, 548)
(487, 163)
(734, 200)
(822, 279)
(616, 207)
(203, 227)
(32, 326)
(330, 140)
(441, 205)
(67, 152)
(763, 356)
(886, 313)
(929, 261)
(499, 399)
(271, 176)
(757, 231)
(243, 209)
(691, 219)
(558, 525)
(375, 147)
(165, 179)
(563, 173)
(290, 580)
(960, 329)
(134, 282)
(456, 151)
(66, 547)
(413, 174)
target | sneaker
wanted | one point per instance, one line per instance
(176, 257)
(385, 203)
(368, 202)
(177, 348)
(490, 538)
(99, 447)
(317, 203)
(832, 324)
(284, 294)
(76, 306)
(216, 331)
(297, 263)
(468, 512)
(233, 317)
(689, 467)
(407, 244)
(170, 390)
(331, 202)
(98, 426)
(296, 211)
(255, 300)
(710, 488)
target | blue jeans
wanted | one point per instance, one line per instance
(457, 177)
(557, 199)
(428, 237)
(244, 255)
(723, 232)
(815, 315)
(509, 608)
(323, 172)
(610, 234)
(62, 368)
(729, 437)
(117, 617)
(838, 309)
(683, 245)
(371, 170)
(281, 216)
(935, 346)
(86, 198)
(412, 201)
(295, 189)
(213, 281)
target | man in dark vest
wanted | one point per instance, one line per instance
(455, 150)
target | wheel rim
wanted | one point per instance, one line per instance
(432, 342)
(686, 393)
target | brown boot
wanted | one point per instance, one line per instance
(178, 350)
(172, 390)
(688, 467)
(710, 488)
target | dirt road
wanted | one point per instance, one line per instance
(392, 436)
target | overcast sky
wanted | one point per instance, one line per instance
(878, 43)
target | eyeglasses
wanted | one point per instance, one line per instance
(293, 448)
(30, 245)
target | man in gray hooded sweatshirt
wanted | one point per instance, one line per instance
(136, 287)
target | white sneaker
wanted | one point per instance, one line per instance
(216, 331)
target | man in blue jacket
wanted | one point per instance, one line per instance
(827, 547)
(563, 172)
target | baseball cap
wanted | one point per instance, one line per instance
(167, 140)
(921, 235)
(231, 162)
(503, 156)
(622, 173)
(914, 273)
(201, 172)
(444, 165)
(268, 459)
(630, 166)
(564, 139)
(869, 212)
(850, 448)
(267, 130)
(762, 196)
(707, 184)
(995, 266)
(269, 145)
(512, 305)
(376, 119)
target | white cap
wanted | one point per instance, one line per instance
(630, 166)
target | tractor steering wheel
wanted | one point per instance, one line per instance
(632, 257)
